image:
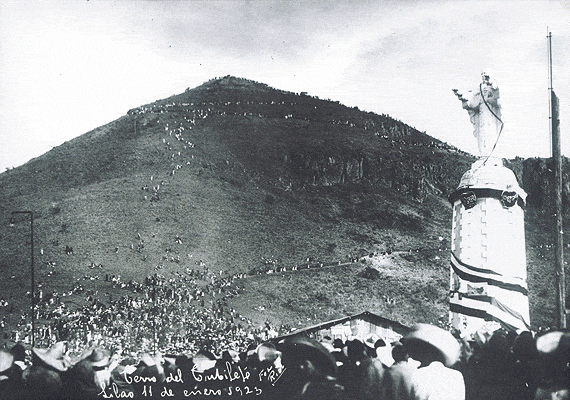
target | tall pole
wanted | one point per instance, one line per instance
(557, 164)
(33, 284)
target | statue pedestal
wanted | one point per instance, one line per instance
(488, 260)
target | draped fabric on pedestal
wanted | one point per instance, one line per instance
(475, 302)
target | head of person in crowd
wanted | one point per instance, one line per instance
(554, 363)
(307, 355)
(437, 350)
(204, 360)
(42, 383)
(524, 347)
(92, 372)
(230, 355)
(310, 370)
(338, 344)
(268, 354)
(6, 365)
(399, 353)
(328, 343)
(372, 342)
(19, 353)
(151, 366)
(11, 378)
(356, 351)
(54, 358)
(499, 342)
(428, 343)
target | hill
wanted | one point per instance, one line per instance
(238, 177)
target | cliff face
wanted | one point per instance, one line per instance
(538, 182)
(415, 175)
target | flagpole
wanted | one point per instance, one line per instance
(557, 166)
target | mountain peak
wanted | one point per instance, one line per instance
(232, 82)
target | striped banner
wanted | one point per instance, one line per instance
(483, 305)
(480, 275)
(487, 308)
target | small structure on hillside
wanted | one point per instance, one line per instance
(357, 326)
(488, 254)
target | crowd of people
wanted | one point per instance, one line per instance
(427, 363)
(186, 312)
(383, 126)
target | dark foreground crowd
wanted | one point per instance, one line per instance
(427, 363)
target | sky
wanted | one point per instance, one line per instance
(68, 67)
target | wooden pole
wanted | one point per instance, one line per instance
(32, 271)
(557, 164)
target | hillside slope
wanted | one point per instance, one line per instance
(240, 177)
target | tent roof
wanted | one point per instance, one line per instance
(366, 316)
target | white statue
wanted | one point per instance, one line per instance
(485, 112)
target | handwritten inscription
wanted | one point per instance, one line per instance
(228, 374)
(114, 392)
(233, 380)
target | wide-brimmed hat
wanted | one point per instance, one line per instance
(553, 343)
(425, 338)
(54, 357)
(92, 369)
(204, 360)
(96, 357)
(371, 339)
(267, 351)
(6, 361)
(297, 349)
(230, 355)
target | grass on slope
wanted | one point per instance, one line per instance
(405, 287)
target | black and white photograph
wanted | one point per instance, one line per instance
(284, 200)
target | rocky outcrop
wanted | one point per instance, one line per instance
(538, 181)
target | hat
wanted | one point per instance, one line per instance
(96, 357)
(54, 357)
(267, 351)
(429, 343)
(552, 343)
(149, 361)
(524, 346)
(19, 352)
(6, 361)
(371, 340)
(298, 349)
(230, 355)
(92, 369)
(204, 360)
